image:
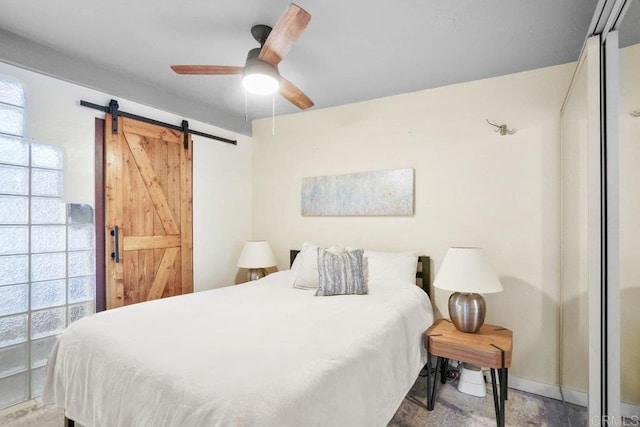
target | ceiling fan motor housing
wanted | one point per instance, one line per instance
(253, 65)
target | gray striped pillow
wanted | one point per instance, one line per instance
(341, 274)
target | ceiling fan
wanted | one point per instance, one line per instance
(260, 71)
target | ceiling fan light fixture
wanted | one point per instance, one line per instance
(260, 77)
(260, 84)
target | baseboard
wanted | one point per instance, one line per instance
(549, 390)
(18, 407)
(576, 397)
(630, 411)
(535, 387)
(572, 396)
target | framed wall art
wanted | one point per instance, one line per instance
(380, 193)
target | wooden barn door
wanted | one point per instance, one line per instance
(148, 200)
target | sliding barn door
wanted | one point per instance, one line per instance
(148, 213)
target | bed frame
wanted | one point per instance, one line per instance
(423, 273)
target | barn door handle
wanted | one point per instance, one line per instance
(116, 251)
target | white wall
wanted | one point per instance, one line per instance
(221, 172)
(473, 187)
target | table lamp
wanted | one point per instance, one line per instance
(468, 273)
(256, 255)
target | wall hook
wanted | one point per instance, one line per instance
(502, 129)
(635, 113)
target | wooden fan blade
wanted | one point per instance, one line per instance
(206, 69)
(286, 31)
(294, 95)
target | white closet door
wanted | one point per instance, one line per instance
(581, 250)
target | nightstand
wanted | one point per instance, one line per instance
(490, 347)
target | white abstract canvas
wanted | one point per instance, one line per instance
(381, 193)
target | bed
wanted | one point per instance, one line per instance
(260, 353)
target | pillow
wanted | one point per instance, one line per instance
(305, 266)
(341, 274)
(385, 267)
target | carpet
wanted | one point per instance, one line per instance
(452, 408)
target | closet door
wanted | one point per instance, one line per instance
(581, 249)
(628, 174)
(148, 213)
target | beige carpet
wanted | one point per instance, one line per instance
(34, 416)
(452, 408)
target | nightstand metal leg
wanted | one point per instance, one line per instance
(500, 397)
(503, 393)
(431, 397)
(443, 370)
(503, 386)
(506, 383)
(429, 407)
(431, 392)
(496, 404)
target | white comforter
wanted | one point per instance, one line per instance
(258, 354)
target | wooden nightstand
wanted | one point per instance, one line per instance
(490, 347)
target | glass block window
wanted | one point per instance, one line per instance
(47, 254)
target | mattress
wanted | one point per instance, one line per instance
(256, 354)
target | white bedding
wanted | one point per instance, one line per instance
(257, 354)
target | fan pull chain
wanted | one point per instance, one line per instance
(245, 106)
(273, 115)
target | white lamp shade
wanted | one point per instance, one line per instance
(256, 254)
(467, 270)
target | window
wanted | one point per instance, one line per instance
(47, 254)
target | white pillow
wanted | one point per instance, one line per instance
(386, 267)
(305, 266)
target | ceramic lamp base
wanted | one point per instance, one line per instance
(467, 311)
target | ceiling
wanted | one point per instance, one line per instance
(630, 27)
(351, 51)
